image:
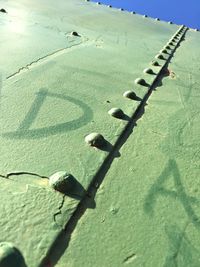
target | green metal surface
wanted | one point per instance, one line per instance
(58, 87)
(148, 206)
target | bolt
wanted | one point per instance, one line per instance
(140, 81)
(148, 70)
(170, 43)
(167, 47)
(62, 181)
(164, 51)
(10, 256)
(75, 34)
(116, 112)
(159, 56)
(155, 63)
(3, 10)
(130, 95)
(95, 139)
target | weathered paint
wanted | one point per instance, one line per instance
(148, 206)
(56, 93)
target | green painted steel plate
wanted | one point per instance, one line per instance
(148, 206)
(56, 88)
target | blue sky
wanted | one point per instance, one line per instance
(178, 11)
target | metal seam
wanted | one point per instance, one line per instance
(105, 166)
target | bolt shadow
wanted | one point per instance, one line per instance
(137, 98)
(62, 241)
(125, 118)
(145, 84)
(108, 147)
(153, 73)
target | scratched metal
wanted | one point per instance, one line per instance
(56, 89)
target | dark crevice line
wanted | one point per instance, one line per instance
(59, 210)
(7, 176)
(63, 239)
(40, 59)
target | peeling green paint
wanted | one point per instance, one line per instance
(71, 64)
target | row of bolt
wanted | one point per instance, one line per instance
(133, 12)
(65, 182)
(96, 139)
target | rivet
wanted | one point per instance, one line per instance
(155, 63)
(164, 51)
(159, 56)
(62, 181)
(148, 70)
(140, 81)
(167, 47)
(170, 43)
(157, 19)
(10, 256)
(75, 34)
(130, 95)
(116, 112)
(3, 10)
(95, 139)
